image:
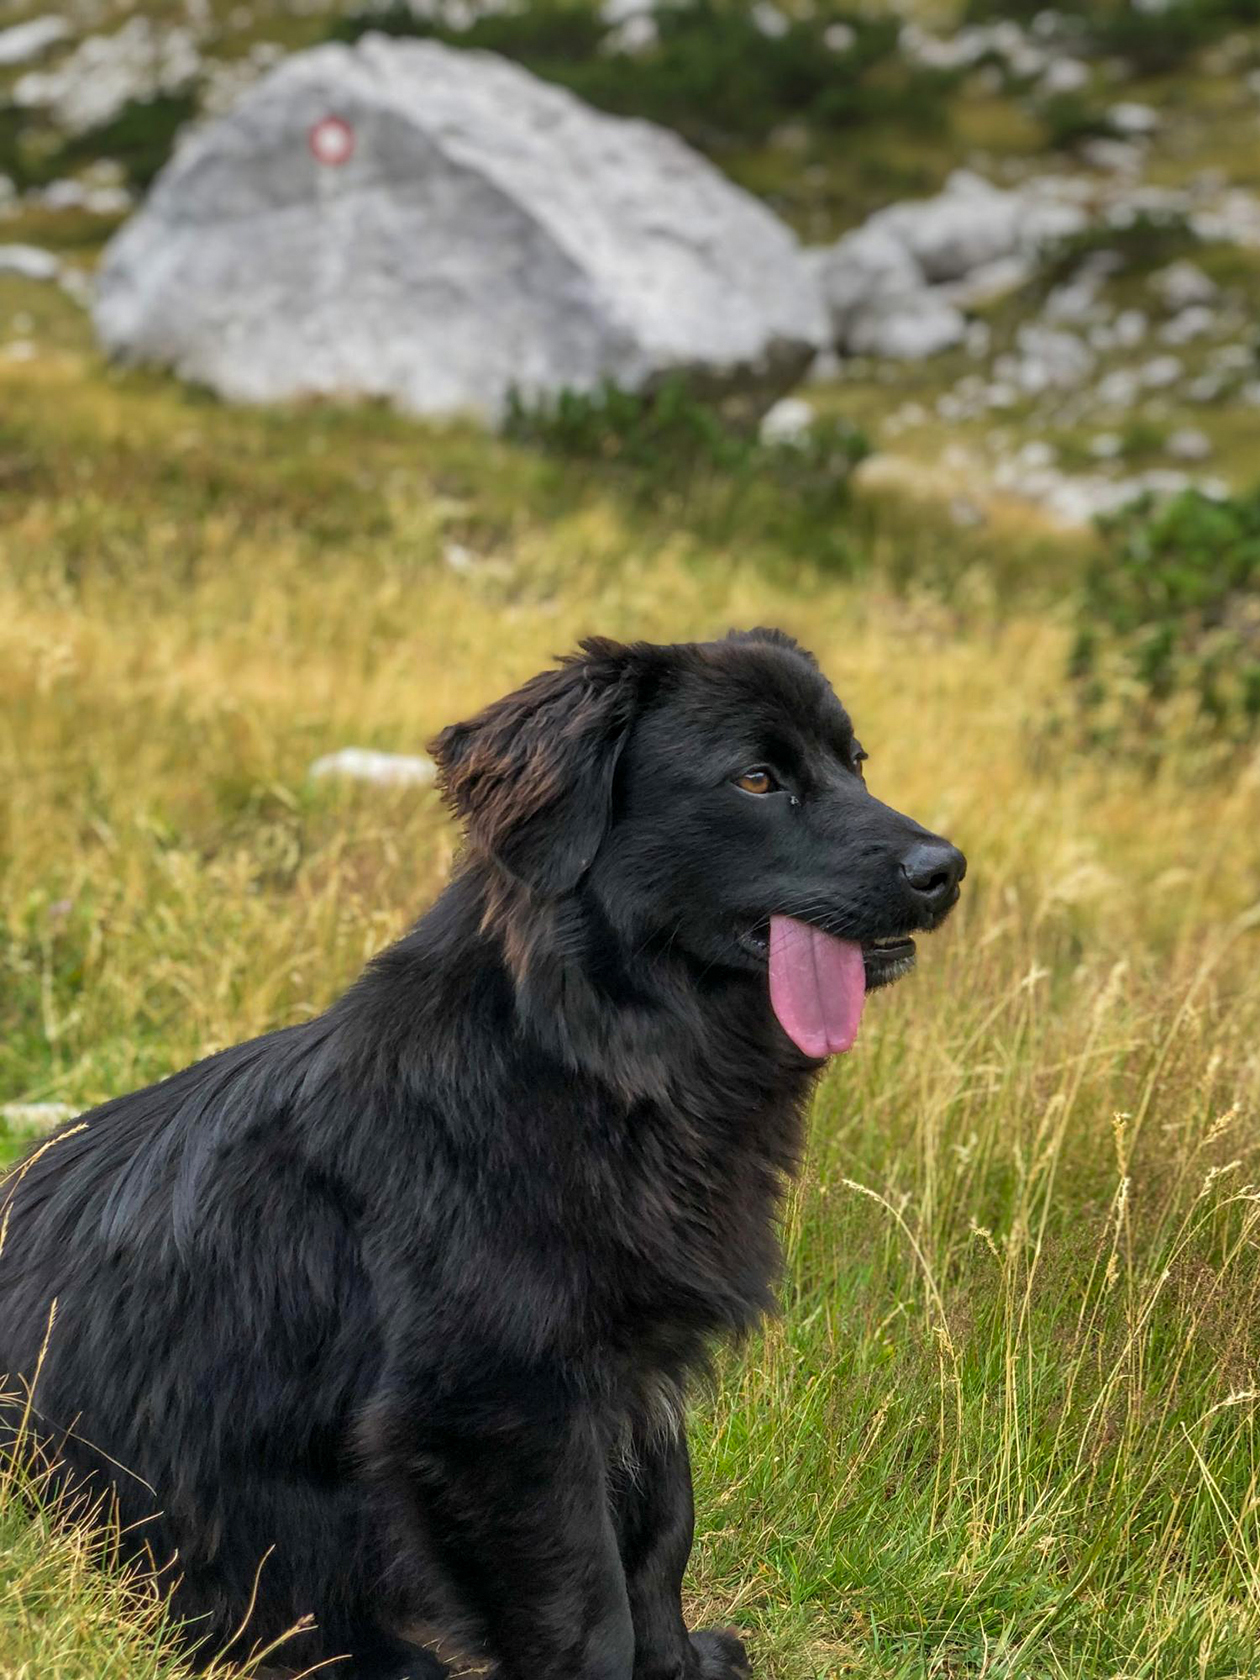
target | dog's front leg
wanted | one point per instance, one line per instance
(514, 1518)
(653, 1511)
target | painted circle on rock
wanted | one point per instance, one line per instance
(331, 140)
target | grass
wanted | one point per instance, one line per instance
(1005, 1425)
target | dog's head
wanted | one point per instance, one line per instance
(708, 799)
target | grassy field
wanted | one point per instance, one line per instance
(1006, 1423)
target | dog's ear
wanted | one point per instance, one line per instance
(531, 776)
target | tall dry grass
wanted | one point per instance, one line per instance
(1006, 1423)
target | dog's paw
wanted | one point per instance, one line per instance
(719, 1654)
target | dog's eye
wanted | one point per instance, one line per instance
(860, 756)
(756, 780)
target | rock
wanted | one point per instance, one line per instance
(864, 265)
(967, 225)
(1106, 446)
(105, 72)
(404, 219)
(1187, 443)
(1190, 324)
(1131, 327)
(1117, 157)
(1182, 285)
(22, 42)
(907, 328)
(36, 1116)
(839, 37)
(989, 282)
(29, 262)
(362, 764)
(1046, 359)
(1133, 121)
(1160, 372)
(788, 421)
(1064, 75)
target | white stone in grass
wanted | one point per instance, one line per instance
(25, 41)
(364, 764)
(36, 1116)
(29, 262)
(1188, 443)
(1182, 284)
(1132, 120)
(788, 421)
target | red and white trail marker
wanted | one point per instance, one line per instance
(331, 140)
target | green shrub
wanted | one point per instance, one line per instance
(1151, 240)
(140, 137)
(712, 74)
(1170, 619)
(1152, 42)
(684, 459)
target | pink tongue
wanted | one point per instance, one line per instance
(817, 986)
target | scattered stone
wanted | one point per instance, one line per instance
(1132, 120)
(906, 329)
(1046, 359)
(1182, 285)
(788, 421)
(1131, 327)
(404, 219)
(1118, 389)
(839, 37)
(1160, 372)
(989, 282)
(105, 72)
(1117, 157)
(1064, 75)
(1187, 443)
(22, 42)
(1206, 388)
(29, 262)
(1190, 324)
(969, 224)
(1106, 446)
(36, 1116)
(363, 764)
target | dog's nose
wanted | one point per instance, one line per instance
(933, 869)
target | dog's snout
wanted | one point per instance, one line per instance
(933, 870)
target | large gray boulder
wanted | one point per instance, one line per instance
(407, 220)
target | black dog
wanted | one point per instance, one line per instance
(385, 1319)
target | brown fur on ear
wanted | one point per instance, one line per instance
(531, 776)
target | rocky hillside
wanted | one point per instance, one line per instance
(1036, 232)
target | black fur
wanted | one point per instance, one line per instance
(385, 1319)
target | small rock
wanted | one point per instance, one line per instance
(1190, 324)
(1131, 327)
(36, 1116)
(907, 329)
(30, 262)
(1117, 157)
(1064, 75)
(839, 37)
(1106, 446)
(1181, 285)
(1160, 372)
(1187, 443)
(787, 421)
(1118, 389)
(989, 282)
(1038, 454)
(1206, 388)
(25, 41)
(1132, 120)
(769, 20)
(363, 764)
